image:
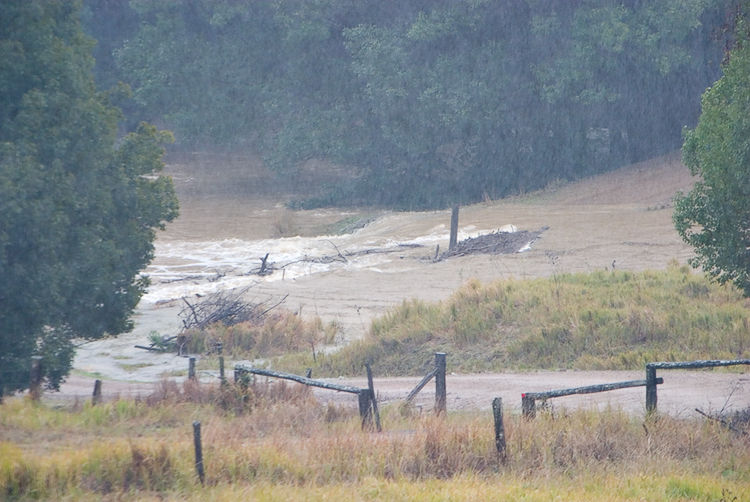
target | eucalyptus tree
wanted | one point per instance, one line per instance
(714, 217)
(78, 206)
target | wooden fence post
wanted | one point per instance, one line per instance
(454, 228)
(528, 406)
(198, 451)
(650, 389)
(96, 398)
(191, 369)
(374, 399)
(35, 383)
(440, 392)
(365, 407)
(497, 411)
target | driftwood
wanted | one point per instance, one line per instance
(494, 243)
(226, 307)
(723, 422)
(156, 347)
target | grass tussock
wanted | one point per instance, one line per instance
(594, 321)
(290, 444)
(282, 332)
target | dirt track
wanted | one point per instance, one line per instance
(231, 206)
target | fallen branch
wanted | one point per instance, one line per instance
(226, 307)
(723, 422)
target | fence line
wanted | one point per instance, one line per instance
(651, 380)
(528, 399)
(438, 373)
(365, 397)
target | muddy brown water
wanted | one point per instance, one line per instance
(233, 212)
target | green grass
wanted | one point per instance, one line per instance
(134, 367)
(595, 321)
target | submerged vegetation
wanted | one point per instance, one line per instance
(592, 321)
(284, 445)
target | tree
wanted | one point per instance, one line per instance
(433, 101)
(78, 214)
(714, 217)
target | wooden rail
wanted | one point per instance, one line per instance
(697, 364)
(651, 380)
(420, 386)
(438, 373)
(300, 379)
(528, 399)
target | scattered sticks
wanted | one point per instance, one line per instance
(494, 243)
(226, 307)
(723, 422)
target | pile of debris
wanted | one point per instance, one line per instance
(495, 243)
(227, 307)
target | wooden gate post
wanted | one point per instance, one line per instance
(440, 391)
(650, 389)
(365, 407)
(96, 398)
(35, 383)
(454, 228)
(528, 406)
(191, 369)
(198, 451)
(497, 411)
(374, 399)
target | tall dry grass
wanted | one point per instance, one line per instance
(288, 443)
(282, 332)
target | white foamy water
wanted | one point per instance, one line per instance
(186, 268)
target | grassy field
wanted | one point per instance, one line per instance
(277, 443)
(603, 320)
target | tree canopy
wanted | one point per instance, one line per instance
(714, 217)
(78, 207)
(434, 102)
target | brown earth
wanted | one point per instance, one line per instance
(621, 219)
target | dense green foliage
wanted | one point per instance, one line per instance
(595, 321)
(433, 101)
(77, 214)
(714, 217)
